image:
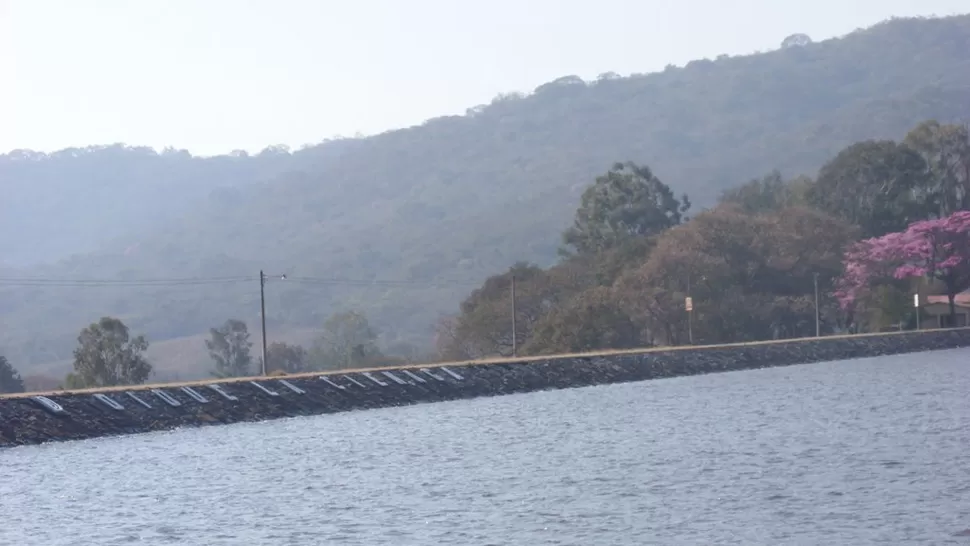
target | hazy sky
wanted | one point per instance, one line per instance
(217, 75)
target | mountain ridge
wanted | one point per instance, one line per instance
(463, 197)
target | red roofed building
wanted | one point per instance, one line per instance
(938, 307)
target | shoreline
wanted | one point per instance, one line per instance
(476, 362)
(36, 418)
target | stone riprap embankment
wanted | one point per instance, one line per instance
(33, 419)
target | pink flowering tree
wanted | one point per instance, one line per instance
(937, 249)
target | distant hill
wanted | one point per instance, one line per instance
(455, 199)
(80, 199)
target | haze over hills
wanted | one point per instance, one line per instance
(98, 192)
(425, 213)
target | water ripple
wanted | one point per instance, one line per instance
(864, 452)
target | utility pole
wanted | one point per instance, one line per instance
(262, 314)
(514, 342)
(818, 327)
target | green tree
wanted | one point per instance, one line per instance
(591, 321)
(73, 381)
(628, 201)
(229, 347)
(347, 341)
(890, 305)
(407, 352)
(879, 186)
(288, 358)
(107, 356)
(10, 380)
(768, 193)
(946, 150)
(750, 277)
(484, 325)
(581, 271)
(450, 345)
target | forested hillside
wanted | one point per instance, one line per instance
(428, 212)
(77, 200)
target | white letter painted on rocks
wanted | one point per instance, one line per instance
(394, 378)
(48, 404)
(135, 397)
(430, 374)
(222, 392)
(451, 373)
(166, 397)
(264, 389)
(414, 376)
(292, 387)
(374, 379)
(327, 380)
(194, 395)
(107, 401)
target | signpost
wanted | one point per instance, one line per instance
(689, 306)
(916, 305)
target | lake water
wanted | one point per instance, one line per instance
(873, 451)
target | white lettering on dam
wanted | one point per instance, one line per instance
(451, 373)
(108, 401)
(136, 398)
(368, 375)
(292, 387)
(166, 397)
(432, 375)
(331, 383)
(194, 395)
(48, 404)
(218, 389)
(414, 376)
(264, 389)
(394, 378)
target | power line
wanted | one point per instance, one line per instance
(198, 281)
(142, 280)
(304, 282)
(382, 282)
(192, 281)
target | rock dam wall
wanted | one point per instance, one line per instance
(37, 418)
